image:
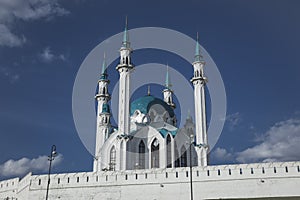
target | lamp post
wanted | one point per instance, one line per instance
(50, 158)
(191, 169)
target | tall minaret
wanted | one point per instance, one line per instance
(103, 115)
(199, 81)
(125, 68)
(167, 92)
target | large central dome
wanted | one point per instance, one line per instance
(144, 104)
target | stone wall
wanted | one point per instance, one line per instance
(260, 180)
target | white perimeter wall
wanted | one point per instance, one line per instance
(263, 180)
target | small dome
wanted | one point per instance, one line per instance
(144, 104)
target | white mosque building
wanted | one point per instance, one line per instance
(149, 157)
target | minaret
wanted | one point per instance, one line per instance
(167, 92)
(103, 115)
(199, 81)
(125, 68)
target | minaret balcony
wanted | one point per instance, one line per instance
(127, 66)
(202, 79)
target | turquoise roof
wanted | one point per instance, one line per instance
(144, 103)
(164, 132)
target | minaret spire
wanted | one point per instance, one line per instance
(198, 56)
(126, 42)
(148, 90)
(103, 115)
(167, 92)
(125, 67)
(104, 68)
(167, 82)
(199, 81)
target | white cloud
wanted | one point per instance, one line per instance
(24, 165)
(26, 10)
(7, 38)
(221, 154)
(279, 143)
(233, 120)
(11, 76)
(48, 56)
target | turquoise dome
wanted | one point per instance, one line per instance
(144, 104)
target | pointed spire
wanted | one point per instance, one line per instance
(104, 68)
(126, 42)
(148, 90)
(168, 83)
(198, 56)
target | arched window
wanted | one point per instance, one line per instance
(183, 158)
(142, 151)
(155, 154)
(177, 158)
(112, 160)
(169, 152)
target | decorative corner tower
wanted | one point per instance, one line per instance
(167, 92)
(125, 68)
(199, 81)
(103, 115)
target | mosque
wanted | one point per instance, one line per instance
(147, 135)
(149, 157)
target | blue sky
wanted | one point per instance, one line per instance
(42, 45)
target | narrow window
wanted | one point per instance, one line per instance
(97, 179)
(183, 158)
(112, 162)
(40, 181)
(68, 180)
(169, 150)
(207, 172)
(252, 172)
(219, 172)
(229, 171)
(187, 174)
(142, 155)
(176, 174)
(166, 174)
(77, 179)
(263, 170)
(106, 178)
(87, 179)
(298, 168)
(275, 170)
(286, 169)
(241, 171)
(177, 157)
(136, 176)
(58, 180)
(146, 176)
(155, 154)
(197, 173)
(126, 177)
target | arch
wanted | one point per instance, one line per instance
(183, 157)
(112, 159)
(142, 151)
(155, 153)
(169, 151)
(177, 158)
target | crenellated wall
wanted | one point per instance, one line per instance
(259, 180)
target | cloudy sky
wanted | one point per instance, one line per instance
(43, 43)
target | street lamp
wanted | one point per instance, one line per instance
(50, 158)
(191, 170)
